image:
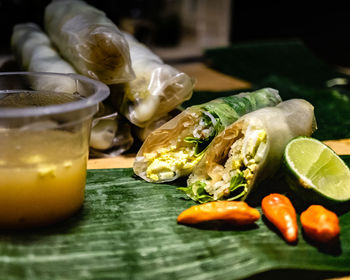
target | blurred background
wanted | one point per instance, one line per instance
(179, 30)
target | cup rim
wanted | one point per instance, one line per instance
(101, 92)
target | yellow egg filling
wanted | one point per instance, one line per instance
(170, 162)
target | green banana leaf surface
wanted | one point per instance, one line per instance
(127, 229)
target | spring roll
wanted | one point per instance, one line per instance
(177, 146)
(157, 89)
(103, 128)
(110, 133)
(89, 40)
(110, 137)
(34, 52)
(249, 151)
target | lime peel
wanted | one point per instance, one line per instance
(305, 182)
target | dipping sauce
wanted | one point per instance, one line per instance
(45, 122)
(42, 177)
(42, 164)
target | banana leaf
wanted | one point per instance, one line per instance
(291, 58)
(127, 230)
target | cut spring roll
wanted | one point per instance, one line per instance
(172, 150)
(249, 151)
(89, 41)
(157, 89)
(143, 132)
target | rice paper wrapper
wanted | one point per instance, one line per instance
(34, 52)
(157, 89)
(143, 132)
(110, 134)
(89, 41)
(116, 142)
(171, 133)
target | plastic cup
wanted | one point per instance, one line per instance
(45, 122)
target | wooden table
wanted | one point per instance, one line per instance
(206, 79)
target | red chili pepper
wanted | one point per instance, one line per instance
(320, 224)
(238, 213)
(278, 209)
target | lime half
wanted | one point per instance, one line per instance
(316, 172)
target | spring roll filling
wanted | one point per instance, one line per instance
(230, 179)
(180, 158)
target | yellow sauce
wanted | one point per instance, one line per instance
(41, 195)
(41, 181)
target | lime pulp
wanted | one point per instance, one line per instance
(316, 171)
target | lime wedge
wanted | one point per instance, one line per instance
(316, 172)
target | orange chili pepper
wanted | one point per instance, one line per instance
(281, 213)
(238, 213)
(320, 224)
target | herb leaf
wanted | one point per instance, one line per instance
(238, 186)
(200, 193)
(203, 143)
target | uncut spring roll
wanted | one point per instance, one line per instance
(110, 133)
(103, 128)
(110, 136)
(35, 53)
(91, 42)
(248, 151)
(157, 89)
(172, 150)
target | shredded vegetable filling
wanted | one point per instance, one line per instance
(231, 180)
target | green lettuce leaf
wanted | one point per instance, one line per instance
(228, 109)
(197, 192)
